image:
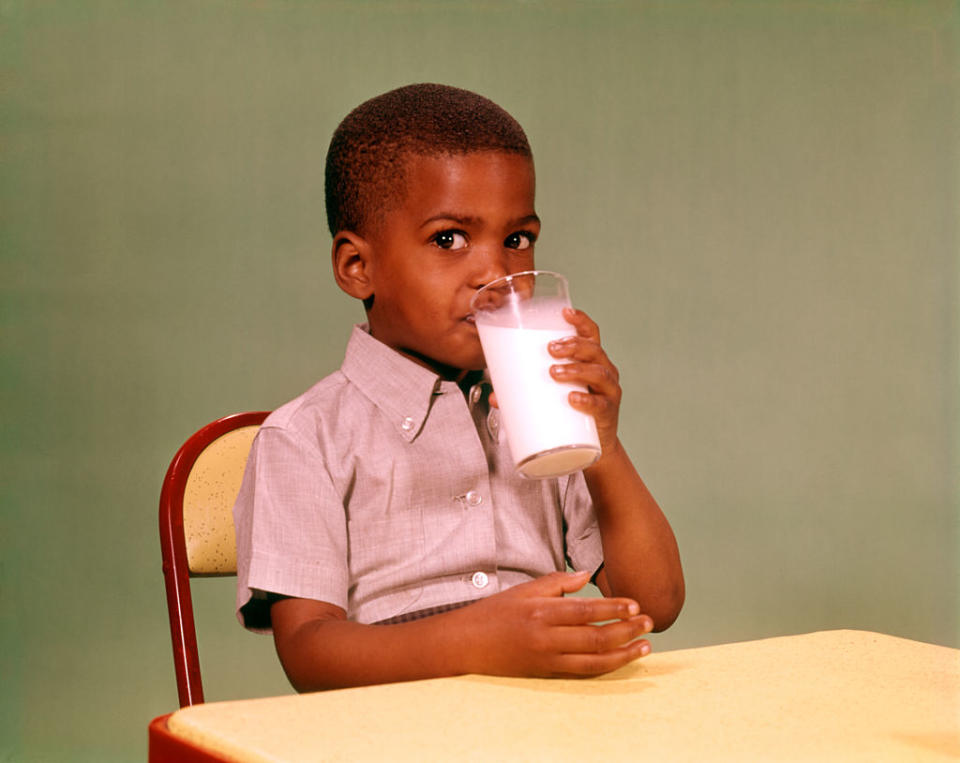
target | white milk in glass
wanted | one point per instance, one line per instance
(546, 435)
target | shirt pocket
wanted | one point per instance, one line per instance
(386, 563)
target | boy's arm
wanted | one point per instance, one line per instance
(640, 554)
(641, 559)
(528, 630)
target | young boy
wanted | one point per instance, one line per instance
(382, 532)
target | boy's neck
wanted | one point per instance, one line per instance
(465, 378)
(468, 379)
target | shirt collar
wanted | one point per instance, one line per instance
(402, 389)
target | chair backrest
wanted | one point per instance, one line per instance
(196, 529)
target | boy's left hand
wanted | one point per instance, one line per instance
(587, 364)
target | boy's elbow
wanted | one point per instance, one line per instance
(309, 675)
(302, 674)
(668, 609)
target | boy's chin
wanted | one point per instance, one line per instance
(466, 358)
(474, 363)
(464, 365)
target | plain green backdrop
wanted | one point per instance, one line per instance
(757, 201)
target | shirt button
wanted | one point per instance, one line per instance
(473, 498)
(480, 579)
(476, 392)
(493, 424)
(407, 424)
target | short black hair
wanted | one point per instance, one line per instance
(368, 151)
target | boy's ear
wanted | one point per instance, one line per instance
(353, 264)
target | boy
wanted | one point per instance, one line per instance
(382, 533)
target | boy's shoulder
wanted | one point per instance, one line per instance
(375, 386)
(335, 395)
(324, 398)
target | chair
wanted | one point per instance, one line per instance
(196, 529)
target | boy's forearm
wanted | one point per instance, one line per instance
(641, 559)
(529, 630)
(331, 654)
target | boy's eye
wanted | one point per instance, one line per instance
(450, 239)
(520, 240)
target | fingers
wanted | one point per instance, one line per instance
(585, 360)
(601, 378)
(585, 610)
(578, 348)
(554, 584)
(547, 605)
(588, 333)
(582, 323)
(583, 665)
(599, 639)
(586, 364)
(551, 607)
(581, 648)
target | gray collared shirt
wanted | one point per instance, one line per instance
(385, 490)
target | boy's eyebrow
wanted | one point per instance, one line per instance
(470, 220)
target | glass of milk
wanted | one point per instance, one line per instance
(517, 317)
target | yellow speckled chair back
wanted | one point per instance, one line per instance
(211, 489)
(196, 528)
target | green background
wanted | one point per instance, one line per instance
(757, 201)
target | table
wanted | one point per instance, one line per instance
(830, 695)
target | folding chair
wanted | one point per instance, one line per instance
(196, 529)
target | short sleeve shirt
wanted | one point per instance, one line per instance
(385, 490)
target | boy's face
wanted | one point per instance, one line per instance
(467, 219)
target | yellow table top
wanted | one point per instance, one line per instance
(833, 695)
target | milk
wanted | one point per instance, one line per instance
(546, 435)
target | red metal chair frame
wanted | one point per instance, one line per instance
(173, 549)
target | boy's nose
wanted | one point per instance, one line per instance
(490, 266)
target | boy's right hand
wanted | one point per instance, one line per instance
(533, 630)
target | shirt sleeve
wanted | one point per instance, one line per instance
(582, 534)
(290, 527)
